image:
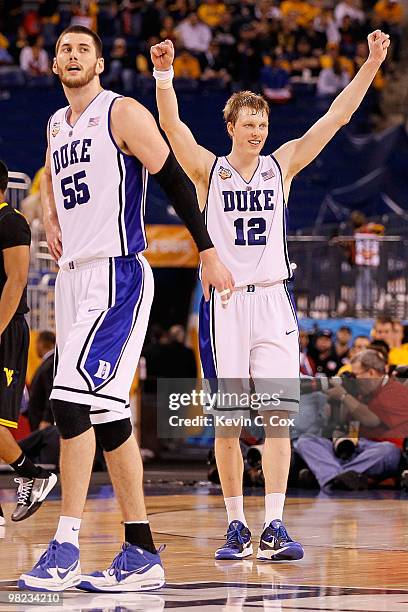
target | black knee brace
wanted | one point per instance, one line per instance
(71, 419)
(112, 435)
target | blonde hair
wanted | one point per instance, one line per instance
(244, 99)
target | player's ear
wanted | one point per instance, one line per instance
(230, 128)
(54, 66)
(100, 65)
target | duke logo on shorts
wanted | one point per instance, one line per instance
(253, 337)
(104, 288)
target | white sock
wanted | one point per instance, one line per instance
(68, 530)
(235, 509)
(274, 503)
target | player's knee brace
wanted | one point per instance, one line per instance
(71, 419)
(112, 435)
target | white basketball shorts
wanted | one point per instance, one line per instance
(102, 310)
(255, 337)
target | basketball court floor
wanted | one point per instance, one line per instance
(356, 552)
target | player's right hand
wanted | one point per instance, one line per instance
(54, 238)
(215, 274)
(162, 55)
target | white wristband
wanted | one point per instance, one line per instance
(164, 78)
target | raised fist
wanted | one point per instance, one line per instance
(162, 55)
(378, 43)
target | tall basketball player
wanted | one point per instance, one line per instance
(100, 149)
(244, 195)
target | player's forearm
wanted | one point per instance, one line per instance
(10, 299)
(348, 101)
(49, 209)
(168, 108)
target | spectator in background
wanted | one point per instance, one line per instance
(275, 80)
(180, 9)
(267, 10)
(390, 14)
(39, 411)
(350, 8)
(323, 354)
(342, 343)
(333, 55)
(304, 61)
(391, 332)
(121, 73)
(85, 13)
(211, 12)
(186, 66)
(307, 365)
(48, 13)
(214, 67)
(224, 35)
(360, 343)
(302, 12)
(384, 330)
(18, 45)
(332, 80)
(31, 205)
(193, 34)
(35, 63)
(326, 24)
(350, 34)
(382, 414)
(168, 29)
(399, 348)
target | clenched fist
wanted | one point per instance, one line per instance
(378, 43)
(162, 55)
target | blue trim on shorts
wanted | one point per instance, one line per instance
(206, 337)
(114, 326)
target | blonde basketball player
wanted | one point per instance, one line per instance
(244, 195)
(100, 150)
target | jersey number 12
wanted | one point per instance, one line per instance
(255, 234)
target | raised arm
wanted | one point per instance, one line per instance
(195, 160)
(296, 154)
(136, 133)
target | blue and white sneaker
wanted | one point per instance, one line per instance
(276, 545)
(133, 569)
(238, 544)
(57, 569)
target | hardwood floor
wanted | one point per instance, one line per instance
(356, 553)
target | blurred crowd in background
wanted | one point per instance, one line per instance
(263, 45)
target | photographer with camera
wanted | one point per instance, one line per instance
(375, 405)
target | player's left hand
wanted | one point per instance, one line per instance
(378, 43)
(215, 274)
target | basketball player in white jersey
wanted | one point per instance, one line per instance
(244, 196)
(100, 149)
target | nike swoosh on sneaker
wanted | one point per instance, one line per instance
(139, 570)
(62, 575)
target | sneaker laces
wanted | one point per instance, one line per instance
(119, 563)
(282, 534)
(49, 557)
(234, 538)
(24, 490)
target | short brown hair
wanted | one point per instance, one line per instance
(383, 320)
(244, 99)
(78, 29)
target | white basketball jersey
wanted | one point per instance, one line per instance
(247, 222)
(99, 191)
